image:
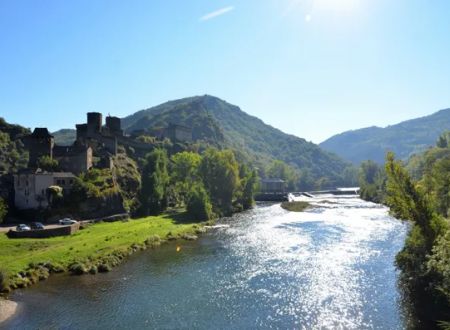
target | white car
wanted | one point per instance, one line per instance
(23, 227)
(67, 221)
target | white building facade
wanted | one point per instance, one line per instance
(31, 188)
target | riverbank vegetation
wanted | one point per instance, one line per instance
(419, 192)
(296, 206)
(97, 248)
(210, 185)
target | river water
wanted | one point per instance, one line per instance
(331, 267)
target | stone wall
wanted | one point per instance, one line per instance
(46, 233)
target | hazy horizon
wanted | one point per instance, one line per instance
(295, 64)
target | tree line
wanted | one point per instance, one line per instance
(209, 185)
(419, 191)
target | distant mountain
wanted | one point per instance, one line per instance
(219, 122)
(404, 139)
(65, 137)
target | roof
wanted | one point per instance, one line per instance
(41, 132)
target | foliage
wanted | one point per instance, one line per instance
(199, 206)
(3, 209)
(220, 124)
(46, 163)
(404, 139)
(184, 174)
(444, 140)
(128, 178)
(54, 195)
(155, 179)
(371, 181)
(280, 170)
(424, 260)
(249, 185)
(65, 137)
(219, 171)
(436, 184)
(13, 155)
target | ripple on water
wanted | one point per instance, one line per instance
(330, 267)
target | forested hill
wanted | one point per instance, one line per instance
(404, 139)
(13, 155)
(215, 120)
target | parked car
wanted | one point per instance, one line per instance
(37, 226)
(67, 221)
(22, 227)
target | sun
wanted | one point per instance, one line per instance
(336, 5)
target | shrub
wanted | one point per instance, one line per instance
(199, 206)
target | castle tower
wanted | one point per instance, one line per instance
(114, 125)
(94, 123)
(39, 143)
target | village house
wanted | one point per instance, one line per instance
(31, 188)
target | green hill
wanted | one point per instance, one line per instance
(219, 122)
(65, 137)
(13, 155)
(404, 139)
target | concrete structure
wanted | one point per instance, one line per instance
(31, 188)
(273, 186)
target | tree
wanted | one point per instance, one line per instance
(436, 183)
(155, 179)
(54, 196)
(219, 171)
(280, 170)
(371, 181)
(46, 163)
(199, 205)
(249, 185)
(444, 140)
(184, 173)
(407, 202)
(3, 209)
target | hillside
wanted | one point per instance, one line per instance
(219, 122)
(13, 155)
(65, 137)
(404, 139)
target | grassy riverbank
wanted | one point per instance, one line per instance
(297, 206)
(95, 248)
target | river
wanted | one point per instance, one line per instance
(331, 267)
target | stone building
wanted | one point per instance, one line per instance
(31, 188)
(97, 136)
(179, 133)
(76, 158)
(39, 143)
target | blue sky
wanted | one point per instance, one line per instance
(312, 68)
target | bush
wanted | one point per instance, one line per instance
(199, 206)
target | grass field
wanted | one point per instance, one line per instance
(88, 245)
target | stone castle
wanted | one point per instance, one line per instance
(92, 137)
